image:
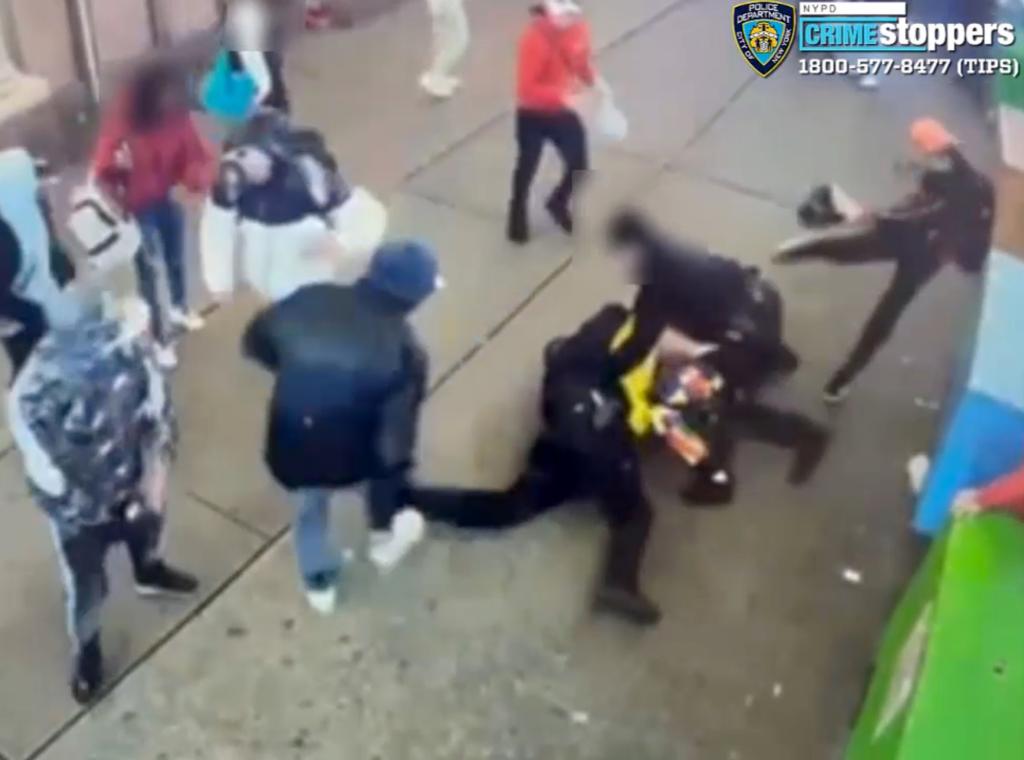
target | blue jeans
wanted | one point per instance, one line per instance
(319, 560)
(163, 234)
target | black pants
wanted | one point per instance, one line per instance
(753, 420)
(564, 130)
(745, 368)
(916, 265)
(82, 555)
(553, 476)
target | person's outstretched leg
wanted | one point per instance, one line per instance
(550, 479)
(624, 503)
(909, 278)
(570, 139)
(846, 244)
(318, 559)
(531, 130)
(806, 438)
(81, 554)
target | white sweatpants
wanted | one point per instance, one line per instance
(451, 36)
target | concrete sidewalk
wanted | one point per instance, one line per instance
(486, 648)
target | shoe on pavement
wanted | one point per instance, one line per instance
(189, 321)
(160, 579)
(562, 216)
(809, 454)
(388, 548)
(87, 672)
(715, 490)
(441, 88)
(323, 600)
(166, 358)
(836, 393)
(518, 231)
(629, 604)
(917, 472)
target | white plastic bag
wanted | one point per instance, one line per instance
(606, 123)
(360, 223)
(610, 123)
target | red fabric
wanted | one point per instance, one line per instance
(552, 61)
(172, 154)
(1005, 493)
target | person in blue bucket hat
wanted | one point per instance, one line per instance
(350, 377)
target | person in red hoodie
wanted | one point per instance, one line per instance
(148, 146)
(554, 63)
(1005, 494)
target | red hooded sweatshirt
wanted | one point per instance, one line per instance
(1005, 493)
(159, 159)
(552, 62)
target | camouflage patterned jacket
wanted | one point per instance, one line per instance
(91, 416)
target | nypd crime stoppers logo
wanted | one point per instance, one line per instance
(764, 33)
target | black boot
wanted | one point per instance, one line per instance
(630, 604)
(159, 579)
(808, 455)
(87, 673)
(709, 489)
(518, 226)
(559, 211)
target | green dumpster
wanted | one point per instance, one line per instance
(949, 677)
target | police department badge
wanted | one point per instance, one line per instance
(764, 33)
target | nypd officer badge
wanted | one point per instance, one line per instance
(764, 33)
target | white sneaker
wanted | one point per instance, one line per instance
(323, 601)
(917, 472)
(166, 358)
(438, 87)
(186, 320)
(388, 548)
(868, 82)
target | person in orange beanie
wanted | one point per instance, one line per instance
(948, 218)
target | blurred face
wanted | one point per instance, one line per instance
(171, 100)
(628, 258)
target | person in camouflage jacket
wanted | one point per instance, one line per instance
(92, 418)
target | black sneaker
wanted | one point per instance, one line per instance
(629, 604)
(159, 579)
(560, 213)
(706, 491)
(809, 454)
(87, 674)
(518, 229)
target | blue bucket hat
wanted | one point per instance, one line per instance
(406, 270)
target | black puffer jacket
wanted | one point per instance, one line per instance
(350, 377)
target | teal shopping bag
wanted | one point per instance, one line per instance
(227, 94)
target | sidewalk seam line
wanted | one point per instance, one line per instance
(229, 516)
(157, 645)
